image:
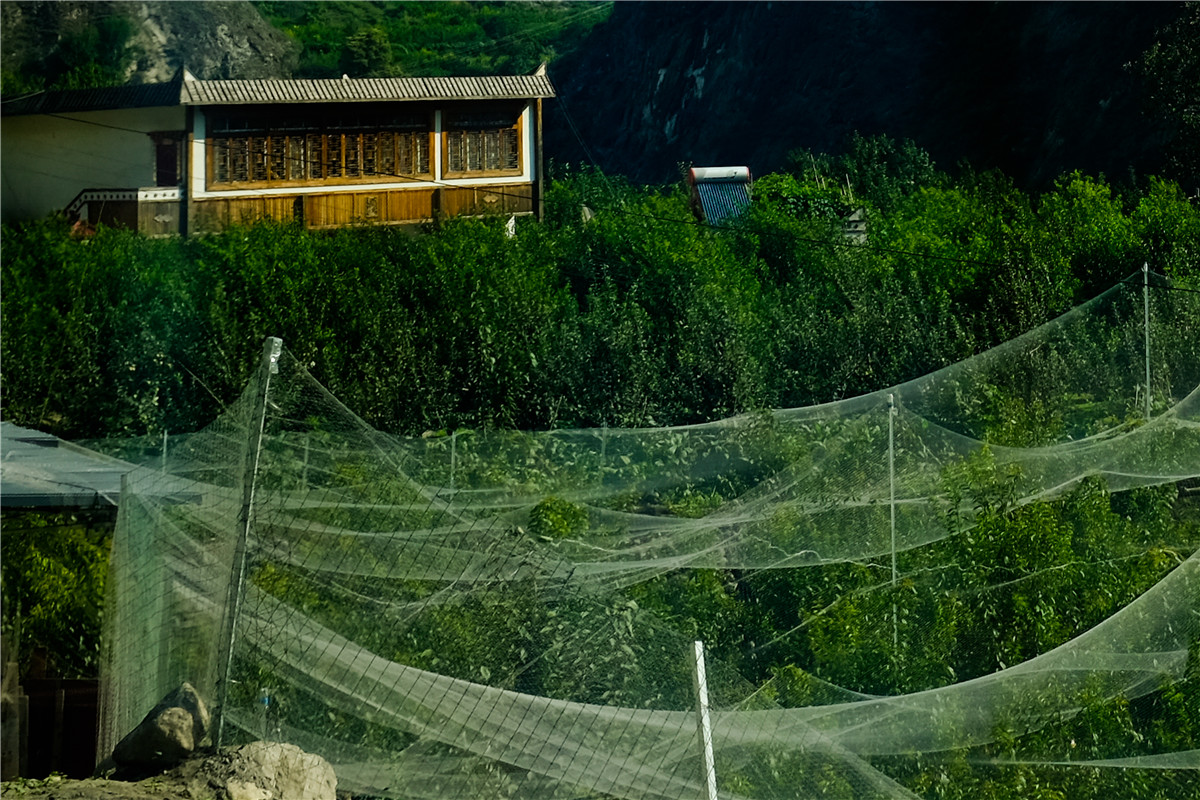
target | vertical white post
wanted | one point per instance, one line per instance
(453, 457)
(164, 452)
(603, 450)
(892, 508)
(892, 476)
(1146, 306)
(704, 724)
(304, 469)
(272, 349)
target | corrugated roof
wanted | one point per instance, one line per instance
(355, 90)
(39, 470)
(71, 100)
(492, 87)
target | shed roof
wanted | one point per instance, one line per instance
(38, 470)
(185, 90)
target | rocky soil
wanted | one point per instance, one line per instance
(164, 757)
(257, 771)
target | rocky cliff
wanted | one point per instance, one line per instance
(1032, 88)
(212, 39)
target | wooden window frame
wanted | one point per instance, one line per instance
(251, 142)
(518, 131)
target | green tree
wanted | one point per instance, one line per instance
(1171, 68)
(367, 54)
(54, 568)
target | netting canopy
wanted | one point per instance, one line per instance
(514, 614)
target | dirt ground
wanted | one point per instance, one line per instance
(56, 788)
(257, 771)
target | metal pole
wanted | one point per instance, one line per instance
(1146, 306)
(704, 724)
(272, 349)
(892, 476)
(892, 508)
(304, 471)
(603, 450)
(453, 456)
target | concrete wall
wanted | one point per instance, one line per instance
(46, 160)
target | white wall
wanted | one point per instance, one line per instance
(45, 161)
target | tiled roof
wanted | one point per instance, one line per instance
(498, 87)
(66, 101)
(202, 93)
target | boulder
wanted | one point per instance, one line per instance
(167, 735)
(261, 771)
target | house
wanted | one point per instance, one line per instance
(194, 155)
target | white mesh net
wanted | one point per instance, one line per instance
(893, 607)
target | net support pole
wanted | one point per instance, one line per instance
(892, 511)
(704, 723)
(272, 349)
(453, 456)
(1146, 326)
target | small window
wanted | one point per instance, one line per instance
(167, 158)
(483, 142)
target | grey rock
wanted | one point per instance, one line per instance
(261, 771)
(168, 734)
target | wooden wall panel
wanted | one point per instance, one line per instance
(158, 217)
(475, 200)
(335, 209)
(114, 213)
(409, 206)
(378, 207)
(217, 214)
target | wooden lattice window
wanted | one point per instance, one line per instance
(483, 142)
(358, 147)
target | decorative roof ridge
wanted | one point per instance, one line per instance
(185, 89)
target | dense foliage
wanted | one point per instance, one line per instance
(381, 39)
(87, 52)
(639, 316)
(1172, 69)
(53, 587)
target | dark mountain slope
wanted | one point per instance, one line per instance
(1031, 88)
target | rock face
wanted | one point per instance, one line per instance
(1034, 89)
(168, 734)
(260, 771)
(214, 40)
